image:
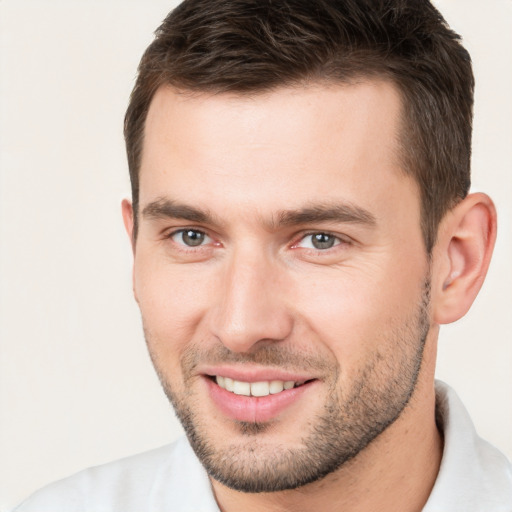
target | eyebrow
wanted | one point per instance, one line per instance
(167, 209)
(327, 213)
(163, 208)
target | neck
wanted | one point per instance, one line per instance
(395, 472)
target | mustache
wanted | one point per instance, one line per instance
(271, 355)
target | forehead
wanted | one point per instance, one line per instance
(289, 144)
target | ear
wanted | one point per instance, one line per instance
(462, 255)
(127, 210)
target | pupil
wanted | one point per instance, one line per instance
(323, 241)
(193, 238)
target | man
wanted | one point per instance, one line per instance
(301, 227)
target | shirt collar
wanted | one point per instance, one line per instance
(474, 476)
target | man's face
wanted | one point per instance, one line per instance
(280, 255)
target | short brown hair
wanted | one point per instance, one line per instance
(253, 46)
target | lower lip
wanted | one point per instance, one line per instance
(254, 409)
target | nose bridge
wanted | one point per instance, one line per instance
(251, 309)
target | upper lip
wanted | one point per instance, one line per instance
(249, 373)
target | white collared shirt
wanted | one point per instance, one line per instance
(473, 477)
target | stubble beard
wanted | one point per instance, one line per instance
(345, 427)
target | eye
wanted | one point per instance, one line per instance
(190, 237)
(319, 241)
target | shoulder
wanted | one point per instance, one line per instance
(147, 481)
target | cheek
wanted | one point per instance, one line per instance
(356, 313)
(172, 301)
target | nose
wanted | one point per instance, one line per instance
(251, 309)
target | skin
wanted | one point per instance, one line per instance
(256, 294)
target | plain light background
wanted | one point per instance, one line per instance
(76, 385)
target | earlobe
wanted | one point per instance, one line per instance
(465, 245)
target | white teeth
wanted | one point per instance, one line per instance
(228, 383)
(241, 388)
(262, 388)
(276, 386)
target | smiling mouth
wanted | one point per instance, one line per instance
(256, 389)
